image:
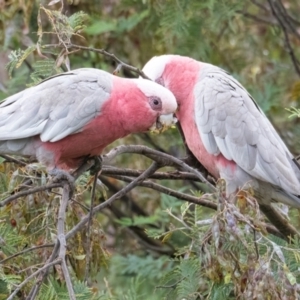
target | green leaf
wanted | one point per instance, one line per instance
(100, 27)
(132, 21)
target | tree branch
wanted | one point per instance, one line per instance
(157, 187)
(35, 289)
(62, 238)
(26, 250)
(192, 199)
(45, 267)
(86, 165)
(121, 64)
(13, 160)
(88, 246)
(174, 175)
(162, 158)
(280, 222)
(116, 196)
(285, 25)
(28, 192)
(259, 19)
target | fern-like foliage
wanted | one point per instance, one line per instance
(79, 21)
(64, 28)
(10, 239)
(17, 57)
(52, 290)
(7, 283)
(44, 69)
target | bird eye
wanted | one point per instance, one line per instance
(155, 103)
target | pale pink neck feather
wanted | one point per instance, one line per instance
(180, 76)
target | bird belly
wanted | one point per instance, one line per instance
(71, 150)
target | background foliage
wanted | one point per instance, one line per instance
(149, 245)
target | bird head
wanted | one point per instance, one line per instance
(161, 102)
(155, 68)
(176, 73)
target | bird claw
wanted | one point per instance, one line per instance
(97, 165)
(61, 175)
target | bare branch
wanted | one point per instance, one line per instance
(62, 239)
(174, 175)
(162, 158)
(116, 196)
(28, 192)
(13, 160)
(26, 250)
(121, 64)
(279, 221)
(83, 168)
(285, 17)
(35, 289)
(88, 246)
(192, 199)
(285, 26)
(260, 19)
(152, 185)
(45, 267)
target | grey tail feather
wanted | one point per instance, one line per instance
(279, 195)
(13, 146)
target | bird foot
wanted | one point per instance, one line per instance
(97, 165)
(61, 175)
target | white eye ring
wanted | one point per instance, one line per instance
(155, 103)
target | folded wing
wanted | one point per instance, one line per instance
(57, 107)
(230, 122)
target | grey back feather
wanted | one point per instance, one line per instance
(59, 106)
(230, 122)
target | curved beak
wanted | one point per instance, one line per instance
(162, 123)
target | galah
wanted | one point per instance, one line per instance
(226, 130)
(77, 114)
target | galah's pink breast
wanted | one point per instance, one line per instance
(181, 77)
(123, 113)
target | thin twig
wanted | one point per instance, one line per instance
(62, 238)
(280, 222)
(35, 289)
(260, 19)
(112, 56)
(116, 196)
(134, 207)
(29, 192)
(26, 250)
(174, 175)
(161, 158)
(286, 18)
(88, 236)
(192, 199)
(13, 160)
(277, 14)
(83, 168)
(23, 283)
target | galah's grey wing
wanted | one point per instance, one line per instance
(230, 122)
(57, 107)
